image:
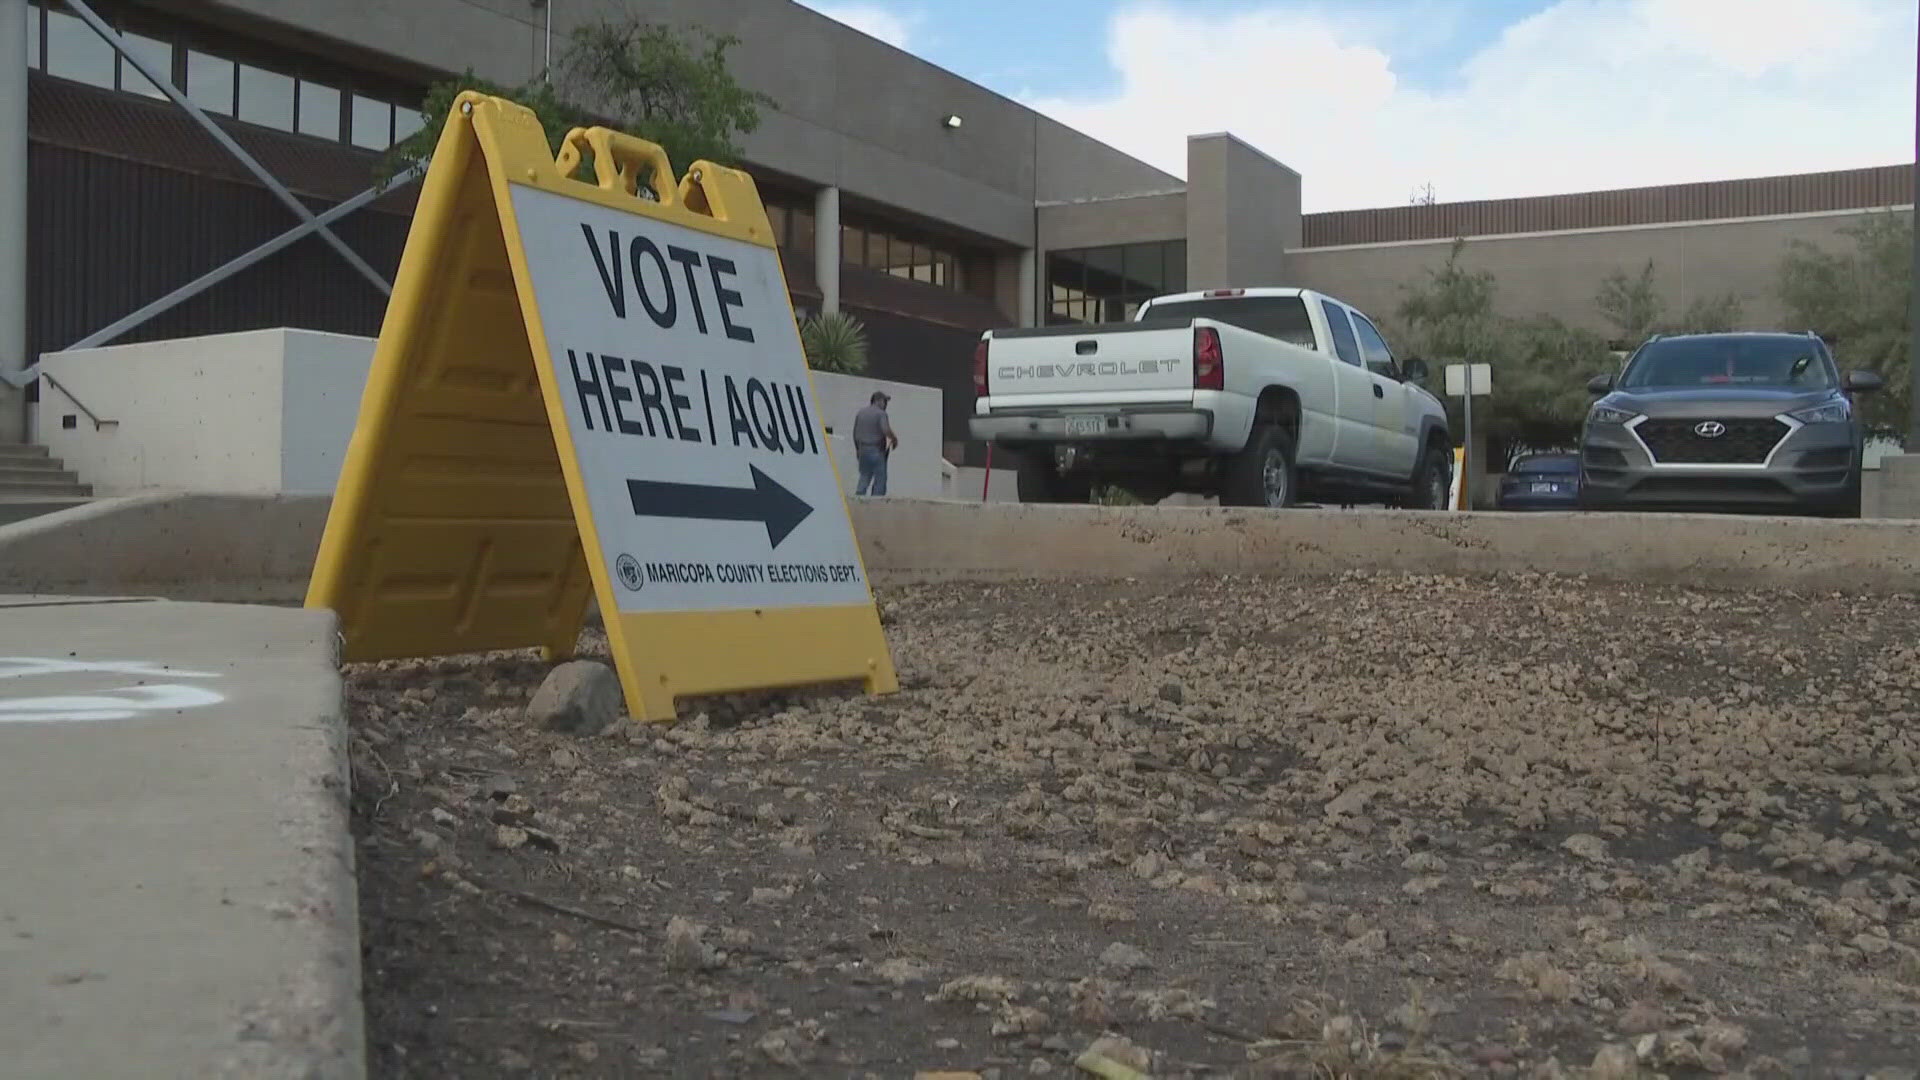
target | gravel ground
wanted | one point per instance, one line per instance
(1374, 826)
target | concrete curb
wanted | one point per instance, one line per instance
(905, 540)
(245, 548)
(192, 908)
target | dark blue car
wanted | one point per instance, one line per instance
(1542, 482)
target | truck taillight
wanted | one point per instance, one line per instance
(1209, 367)
(980, 368)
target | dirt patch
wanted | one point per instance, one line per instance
(1376, 824)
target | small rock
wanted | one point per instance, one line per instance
(1723, 1039)
(1148, 866)
(901, 971)
(1800, 1057)
(766, 897)
(1039, 1067)
(1424, 862)
(579, 697)
(1120, 1051)
(564, 758)
(1641, 1018)
(1872, 944)
(946, 1044)
(1352, 801)
(1586, 846)
(508, 838)
(1121, 959)
(514, 1061)
(586, 1051)
(1615, 1061)
(1173, 693)
(685, 950)
(1371, 943)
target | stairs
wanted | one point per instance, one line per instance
(32, 483)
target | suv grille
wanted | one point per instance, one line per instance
(1746, 442)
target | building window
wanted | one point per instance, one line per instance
(372, 123)
(75, 52)
(210, 82)
(1108, 284)
(156, 54)
(33, 35)
(407, 121)
(266, 98)
(319, 110)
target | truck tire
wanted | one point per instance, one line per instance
(1432, 480)
(1263, 474)
(1039, 482)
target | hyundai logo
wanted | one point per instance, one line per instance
(1709, 429)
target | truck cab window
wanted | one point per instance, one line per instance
(1372, 346)
(1343, 342)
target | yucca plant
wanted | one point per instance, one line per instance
(834, 342)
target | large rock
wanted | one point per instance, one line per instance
(581, 697)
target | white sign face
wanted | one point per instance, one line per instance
(1457, 377)
(686, 393)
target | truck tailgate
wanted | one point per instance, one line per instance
(1061, 365)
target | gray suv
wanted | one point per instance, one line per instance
(1742, 421)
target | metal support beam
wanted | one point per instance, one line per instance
(13, 216)
(164, 81)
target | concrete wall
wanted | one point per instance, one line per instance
(198, 414)
(915, 470)
(1243, 214)
(264, 411)
(1124, 220)
(852, 111)
(1558, 273)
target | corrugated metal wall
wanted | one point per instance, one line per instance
(1757, 197)
(108, 236)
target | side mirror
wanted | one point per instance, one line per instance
(1416, 370)
(1864, 382)
(1600, 385)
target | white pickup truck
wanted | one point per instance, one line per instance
(1261, 396)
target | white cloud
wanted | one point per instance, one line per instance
(870, 19)
(1588, 94)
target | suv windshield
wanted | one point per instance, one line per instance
(1797, 363)
(1283, 317)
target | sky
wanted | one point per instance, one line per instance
(1375, 100)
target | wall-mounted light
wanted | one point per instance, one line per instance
(951, 121)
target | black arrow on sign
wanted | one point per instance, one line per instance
(780, 510)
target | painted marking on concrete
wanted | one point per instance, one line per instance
(115, 703)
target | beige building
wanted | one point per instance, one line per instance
(930, 206)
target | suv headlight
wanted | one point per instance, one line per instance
(1833, 412)
(1607, 414)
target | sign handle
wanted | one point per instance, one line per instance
(619, 161)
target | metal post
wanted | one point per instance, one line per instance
(13, 215)
(826, 247)
(1467, 459)
(1913, 296)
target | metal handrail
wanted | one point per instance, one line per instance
(57, 385)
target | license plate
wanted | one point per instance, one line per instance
(1086, 425)
(1545, 489)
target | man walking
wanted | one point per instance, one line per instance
(873, 440)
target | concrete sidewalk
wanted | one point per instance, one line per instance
(177, 897)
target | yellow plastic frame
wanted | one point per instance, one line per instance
(460, 523)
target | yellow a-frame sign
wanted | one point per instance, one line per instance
(579, 390)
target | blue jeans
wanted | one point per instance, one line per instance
(873, 470)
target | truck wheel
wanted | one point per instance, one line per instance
(1039, 482)
(1263, 474)
(1432, 481)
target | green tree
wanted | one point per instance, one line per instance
(660, 83)
(1857, 300)
(834, 342)
(1635, 309)
(1541, 365)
